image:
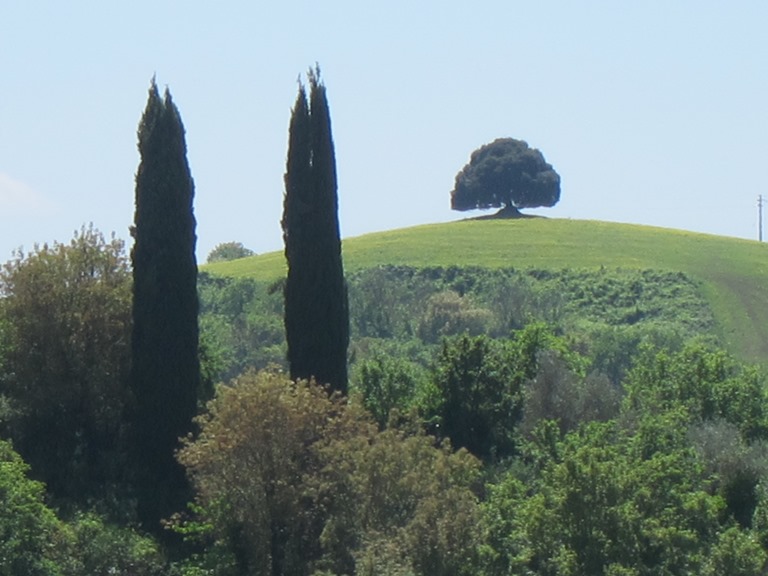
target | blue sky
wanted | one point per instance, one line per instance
(652, 112)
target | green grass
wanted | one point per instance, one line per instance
(733, 273)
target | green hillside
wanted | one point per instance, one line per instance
(733, 273)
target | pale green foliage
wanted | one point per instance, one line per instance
(290, 479)
(396, 489)
(558, 393)
(248, 465)
(448, 313)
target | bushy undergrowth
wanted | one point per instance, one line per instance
(609, 312)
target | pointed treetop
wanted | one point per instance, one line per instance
(152, 113)
(313, 74)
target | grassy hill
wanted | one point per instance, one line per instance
(733, 273)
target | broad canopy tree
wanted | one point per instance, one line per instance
(65, 323)
(227, 251)
(506, 174)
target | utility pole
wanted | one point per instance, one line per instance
(760, 217)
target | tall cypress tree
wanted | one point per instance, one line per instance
(316, 309)
(165, 371)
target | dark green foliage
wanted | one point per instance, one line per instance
(64, 357)
(485, 391)
(165, 376)
(316, 309)
(506, 173)
(228, 251)
(34, 542)
(479, 395)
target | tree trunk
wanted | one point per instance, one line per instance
(509, 211)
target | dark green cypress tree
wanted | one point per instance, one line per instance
(316, 309)
(165, 370)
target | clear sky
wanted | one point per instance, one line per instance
(652, 112)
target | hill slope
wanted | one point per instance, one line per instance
(733, 273)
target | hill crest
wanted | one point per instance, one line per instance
(732, 272)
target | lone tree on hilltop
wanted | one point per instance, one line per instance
(165, 369)
(227, 251)
(316, 306)
(506, 174)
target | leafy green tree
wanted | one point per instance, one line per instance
(736, 553)
(387, 383)
(292, 480)
(708, 382)
(95, 546)
(30, 534)
(34, 542)
(249, 465)
(228, 251)
(607, 501)
(479, 394)
(165, 375)
(66, 317)
(397, 490)
(316, 306)
(506, 174)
